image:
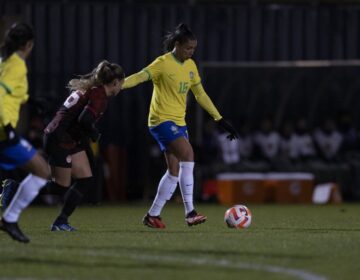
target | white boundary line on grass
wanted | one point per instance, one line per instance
(297, 273)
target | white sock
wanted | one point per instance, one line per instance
(186, 182)
(165, 191)
(27, 191)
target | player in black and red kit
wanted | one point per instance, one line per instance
(67, 135)
(66, 139)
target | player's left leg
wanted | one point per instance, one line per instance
(27, 191)
(82, 174)
(182, 149)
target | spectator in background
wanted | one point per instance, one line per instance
(229, 151)
(328, 139)
(14, 150)
(246, 142)
(209, 145)
(303, 141)
(350, 134)
(267, 140)
(288, 149)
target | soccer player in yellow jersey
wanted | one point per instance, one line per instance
(173, 75)
(14, 150)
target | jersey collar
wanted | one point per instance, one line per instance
(178, 61)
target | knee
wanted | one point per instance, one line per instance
(187, 155)
(174, 171)
(62, 181)
(46, 173)
(42, 170)
(82, 171)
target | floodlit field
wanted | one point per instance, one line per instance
(284, 242)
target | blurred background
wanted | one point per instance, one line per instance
(285, 73)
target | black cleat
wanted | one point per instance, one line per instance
(13, 230)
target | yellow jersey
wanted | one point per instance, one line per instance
(13, 89)
(172, 81)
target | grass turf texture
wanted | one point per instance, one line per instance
(283, 242)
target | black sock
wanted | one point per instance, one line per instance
(73, 198)
(54, 188)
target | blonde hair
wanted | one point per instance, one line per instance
(103, 74)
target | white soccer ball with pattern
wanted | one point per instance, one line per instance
(238, 216)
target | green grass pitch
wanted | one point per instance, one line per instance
(284, 242)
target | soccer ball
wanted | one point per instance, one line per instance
(238, 216)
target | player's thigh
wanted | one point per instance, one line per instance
(182, 149)
(80, 165)
(37, 166)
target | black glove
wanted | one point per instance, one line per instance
(11, 135)
(228, 128)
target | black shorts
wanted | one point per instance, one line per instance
(59, 154)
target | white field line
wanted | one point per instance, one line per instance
(297, 273)
(200, 261)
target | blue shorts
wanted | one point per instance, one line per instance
(16, 155)
(167, 132)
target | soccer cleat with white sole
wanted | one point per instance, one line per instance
(193, 218)
(62, 227)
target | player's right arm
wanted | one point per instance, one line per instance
(136, 79)
(151, 72)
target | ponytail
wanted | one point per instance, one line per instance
(103, 74)
(15, 38)
(181, 34)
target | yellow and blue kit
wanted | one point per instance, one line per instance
(13, 93)
(172, 81)
(13, 89)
